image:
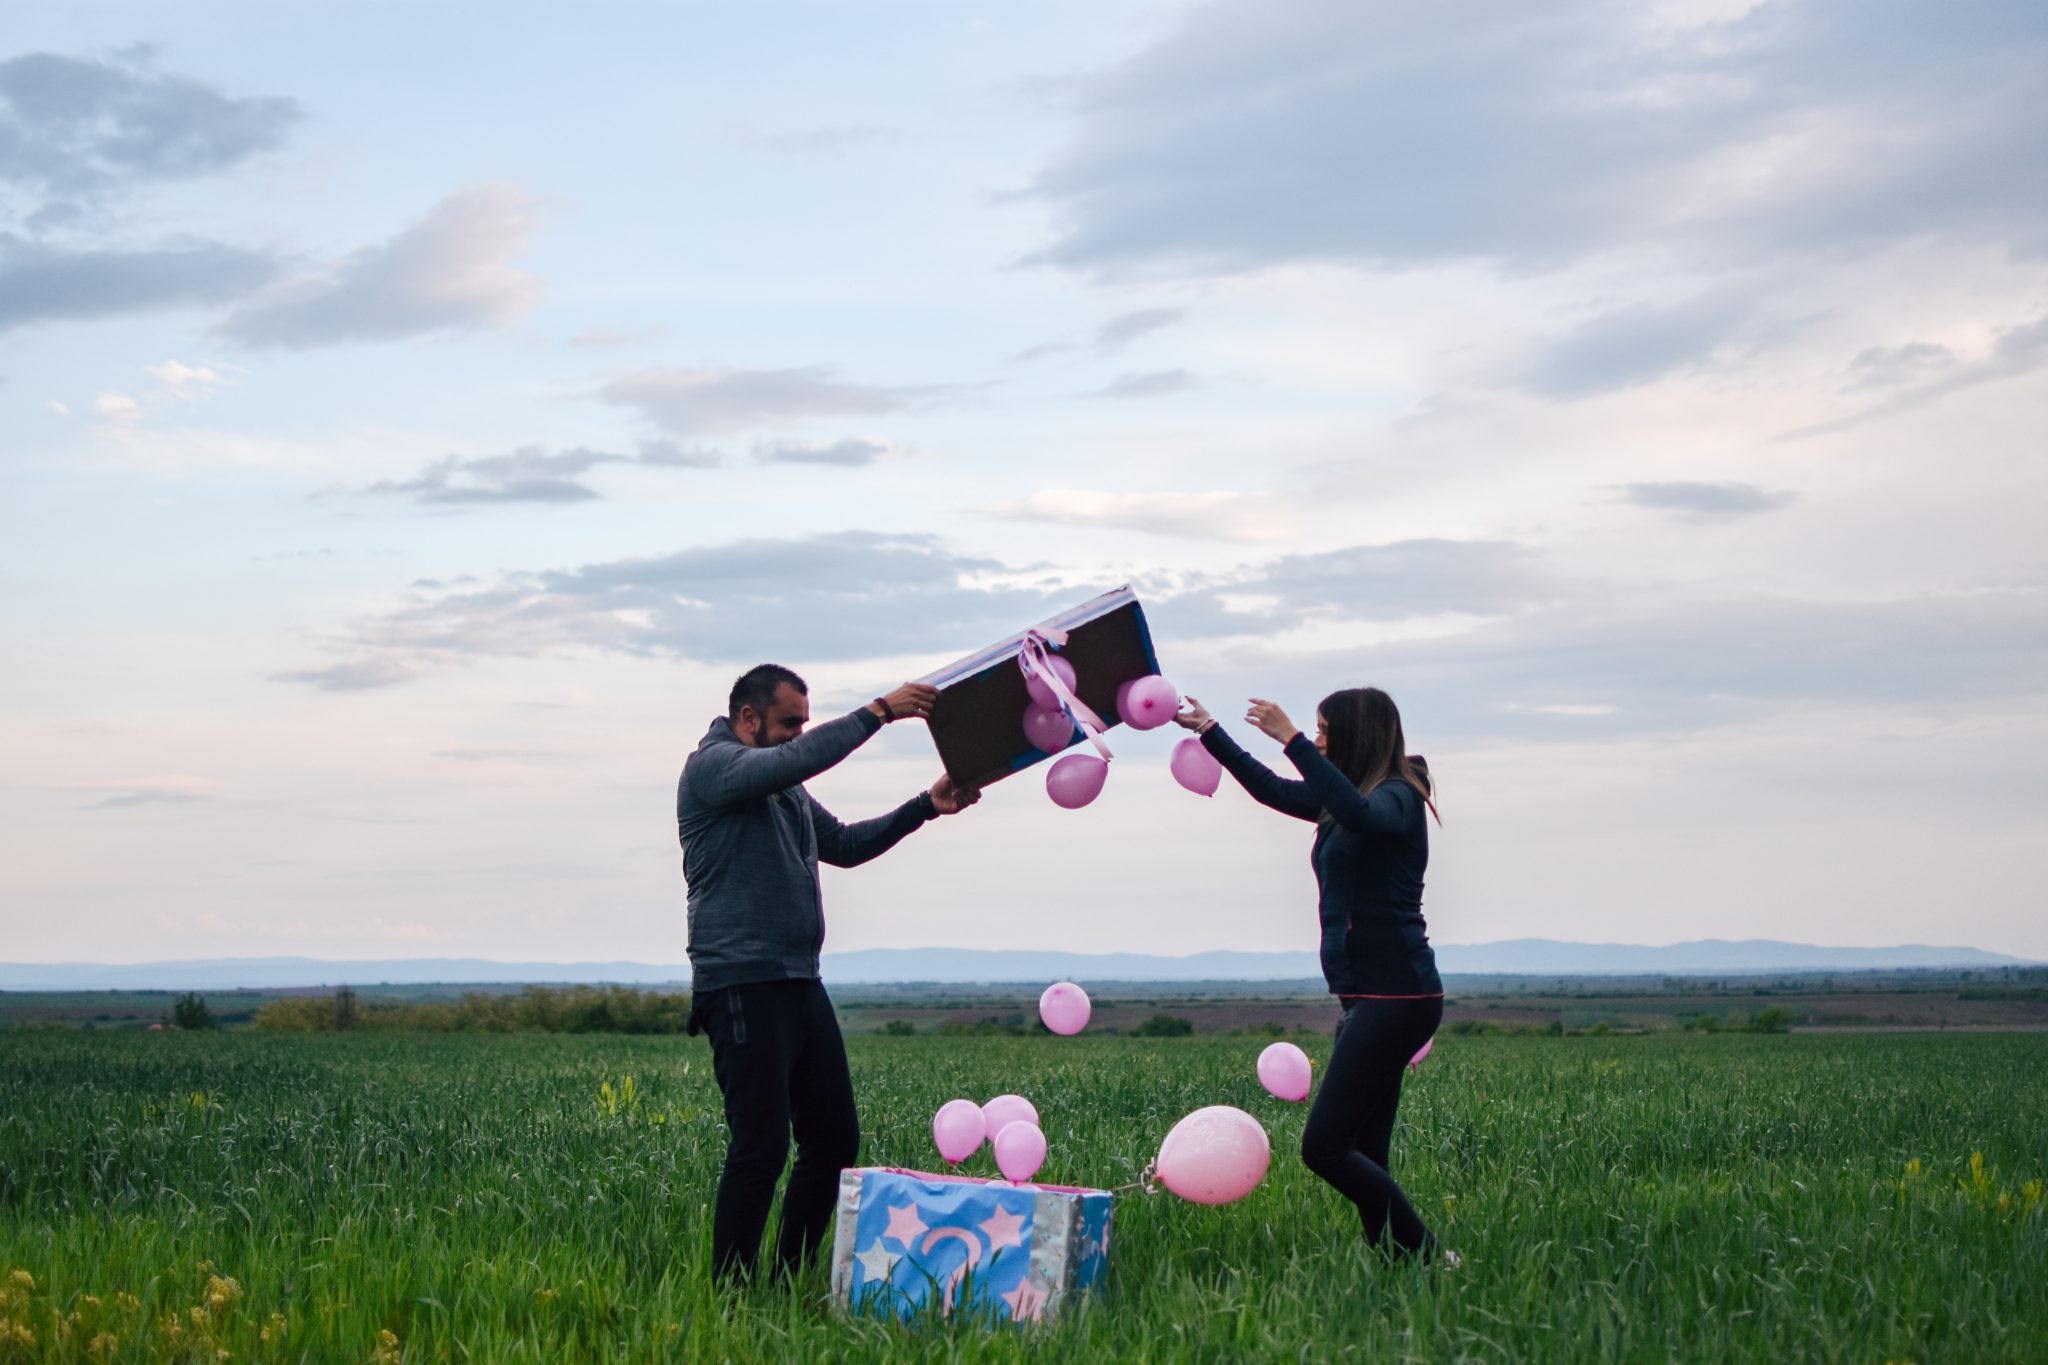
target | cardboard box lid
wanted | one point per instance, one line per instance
(978, 722)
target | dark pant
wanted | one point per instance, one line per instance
(781, 1064)
(1352, 1121)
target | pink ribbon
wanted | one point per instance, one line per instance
(1036, 663)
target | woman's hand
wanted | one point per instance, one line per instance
(1193, 716)
(1272, 720)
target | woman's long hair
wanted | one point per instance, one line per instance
(1364, 740)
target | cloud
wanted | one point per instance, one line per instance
(129, 793)
(180, 378)
(1886, 367)
(1706, 501)
(847, 595)
(848, 453)
(1128, 327)
(2013, 352)
(528, 474)
(1630, 346)
(1210, 515)
(117, 408)
(78, 126)
(1652, 663)
(1150, 384)
(607, 338)
(1395, 581)
(1266, 132)
(451, 271)
(694, 402)
(862, 594)
(130, 800)
(361, 673)
(41, 284)
(1529, 653)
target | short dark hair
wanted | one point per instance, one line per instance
(757, 688)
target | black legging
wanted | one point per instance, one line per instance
(1352, 1121)
(779, 1059)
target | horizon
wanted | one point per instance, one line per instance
(406, 450)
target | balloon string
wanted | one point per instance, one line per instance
(1032, 658)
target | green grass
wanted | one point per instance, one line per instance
(476, 1197)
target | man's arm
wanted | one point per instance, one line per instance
(848, 846)
(844, 845)
(726, 773)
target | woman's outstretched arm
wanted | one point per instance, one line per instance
(1268, 788)
(1386, 809)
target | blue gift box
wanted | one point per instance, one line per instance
(906, 1243)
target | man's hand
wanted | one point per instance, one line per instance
(911, 699)
(948, 799)
(1193, 716)
(1272, 720)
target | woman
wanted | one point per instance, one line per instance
(1367, 797)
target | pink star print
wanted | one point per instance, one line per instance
(1026, 1301)
(904, 1224)
(1001, 1227)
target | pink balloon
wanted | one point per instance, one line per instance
(958, 1129)
(1048, 728)
(1214, 1155)
(1004, 1110)
(1064, 1007)
(1195, 768)
(1284, 1070)
(1043, 694)
(1072, 782)
(1147, 703)
(1416, 1060)
(1020, 1151)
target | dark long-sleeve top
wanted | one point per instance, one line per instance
(1369, 857)
(753, 838)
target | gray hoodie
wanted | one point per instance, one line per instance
(752, 841)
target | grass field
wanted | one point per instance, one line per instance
(356, 1197)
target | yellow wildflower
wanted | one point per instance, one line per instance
(90, 1301)
(221, 1291)
(273, 1330)
(1980, 1179)
(128, 1301)
(105, 1344)
(546, 1295)
(2031, 1191)
(204, 1267)
(17, 1333)
(1913, 1166)
(21, 1279)
(387, 1352)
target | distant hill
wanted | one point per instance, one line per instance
(1521, 957)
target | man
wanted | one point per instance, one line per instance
(752, 841)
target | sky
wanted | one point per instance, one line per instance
(413, 417)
